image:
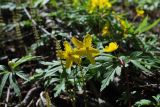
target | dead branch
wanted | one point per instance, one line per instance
(28, 97)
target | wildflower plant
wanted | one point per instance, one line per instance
(9, 73)
(112, 37)
(106, 45)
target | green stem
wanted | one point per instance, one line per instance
(74, 88)
(84, 87)
(69, 91)
(65, 76)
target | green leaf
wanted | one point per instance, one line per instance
(54, 3)
(148, 27)
(35, 77)
(54, 63)
(8, 5)
(103, 58)
(44, 2)
(110, 76)
(40, 2)
(118, 70)
(157, 98)
(144, 26)
(60, 87)
(14, 85)
(136, 54)
(3, 82)
(22, 75)
(23, 60)
(53, 80)
(3, 72)
(52, 71)
(2, 68)
(138, 65)
(142, 102)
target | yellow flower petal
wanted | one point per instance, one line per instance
(112, 47)
(61, 54)
(104, 4)
(86, 48)
(105, 31)
(80, 52)
(76, 59)
(87, 41)
(93, 5)
(68, 55)
(76, 42)
(93, 50)
(67, 47)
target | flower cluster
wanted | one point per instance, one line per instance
(82, 49)
(98, 4)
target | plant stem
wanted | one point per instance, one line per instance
(84, 87)
(68, 91)
(74, 95)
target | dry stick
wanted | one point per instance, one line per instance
(7, 99)
(152, 86)
(34, 22)
(28, 97)
(30, 104)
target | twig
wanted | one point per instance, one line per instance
(42, 101)
(7, 98)
(155, 86)
(34, 22)
(30, 104)
(28, 97)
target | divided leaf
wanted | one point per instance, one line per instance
(3, 82)
(110, 76)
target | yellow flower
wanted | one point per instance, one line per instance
(123, 24)
(104, 4)
(98, 4)
(69, 55)
(85, 48)
(112, 47)
(139, 12)
(92, 5)
(105, 31)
